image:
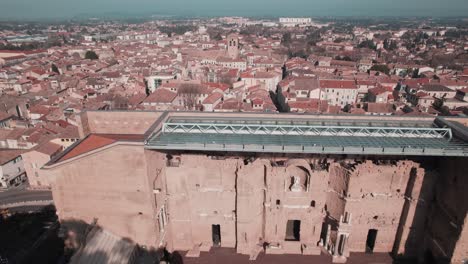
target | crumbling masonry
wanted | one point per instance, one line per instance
(294, 203)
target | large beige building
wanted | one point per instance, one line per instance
(283, 184)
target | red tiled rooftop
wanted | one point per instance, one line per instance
(380, 108)
(4, 115)
(214, 97)
(221, 86)
(161, 96)
(7, 155)
(380, 90)
(338, 84)
(49, 148)
(96, 141)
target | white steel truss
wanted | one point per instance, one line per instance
(307, 130)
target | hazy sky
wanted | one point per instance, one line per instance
(33, 9)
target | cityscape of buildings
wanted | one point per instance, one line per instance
(294, 135)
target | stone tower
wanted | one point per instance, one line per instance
(233, 46)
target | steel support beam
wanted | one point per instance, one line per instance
(307, 130)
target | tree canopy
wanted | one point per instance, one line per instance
(91, 55)
(55, 69)
(380, 68)
(367, 44)
(286, 39)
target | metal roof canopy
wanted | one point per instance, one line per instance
(334, 136)
(306, 130)
(302, 121)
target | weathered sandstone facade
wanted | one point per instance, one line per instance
(280, 203)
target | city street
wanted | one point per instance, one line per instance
(16, 196)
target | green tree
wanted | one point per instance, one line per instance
(380, 68)
(279, 100)
(390, 44)
(91, 55)
(218, 37)
(439, 106)
(286, 39)
(367, 44)
(343, 58)
(55, 69)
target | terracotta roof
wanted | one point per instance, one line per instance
(257, 101)
(16, 133)
(96, 141)
(4, 133)
(436, 88)
(70, 131)
(306, 84)
(259, 75)
(213, 98)
(111, 74)
(221, 86)
(40, 109)
(416, 81)
(9, 154)
(49, 148)
(4, 115)
(379, 108)
(162, 96)
(136, 99)
(230, 104)
(338, 84)
(343, 63)
(334, 109)
(380, 90)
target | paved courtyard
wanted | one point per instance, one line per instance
(229, 256)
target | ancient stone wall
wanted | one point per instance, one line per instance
(251, 188)
(338, 181)
(333, 203)
(287, 200)
(447, 235)
(111, 186)
(265, 196)
(375, 199)
(201, 193)
(117, 122)
(156, 187)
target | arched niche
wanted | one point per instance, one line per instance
(297, 179)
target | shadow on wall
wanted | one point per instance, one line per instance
(448, 212)
(430, 220)
(413, 249)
